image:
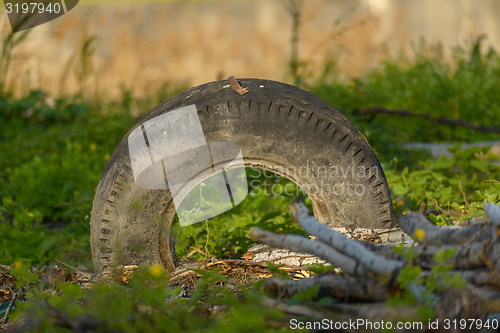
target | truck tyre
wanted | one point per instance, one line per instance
(279, 128)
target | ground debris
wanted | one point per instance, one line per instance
(7, 284)
(238, 272)
(464, 285)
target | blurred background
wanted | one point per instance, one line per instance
(139, 46)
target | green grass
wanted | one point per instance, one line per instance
(467, 90)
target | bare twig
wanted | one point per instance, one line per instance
(294, 9)
(198, 250)
(11, 304)
(442, 120)
(466, 256)
(322, 43)
(463, 194)
(422, 208)
(442, 210)
(76, 269)
(207, 255)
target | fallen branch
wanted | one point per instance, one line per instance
(370, 272)
(492, 213)
(6, 316)
(303, 244)
(424, 232)
(442, 120)
(336, 240)
(333, 285)
(374, 312)
(491, 257)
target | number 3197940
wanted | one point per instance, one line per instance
(33, 7)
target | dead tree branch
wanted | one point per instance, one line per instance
(442, 120)
(424, 232)
(370, 272)
(303, 244)
(341, 243)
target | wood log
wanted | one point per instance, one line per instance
(352, 248)
(491, 256)
(333, 285)
(493, 214)
(490, 297)
(478, 277)
(302, 244)
(465, 257)
(457, 304)
(370, 271)
(372, 312)
(424, 232)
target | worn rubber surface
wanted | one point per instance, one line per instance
(276, 126)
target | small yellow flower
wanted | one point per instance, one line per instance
(156, 270)
(106, 157)
(30, 214)
(420, 234)
(18, 264)
(93, 146)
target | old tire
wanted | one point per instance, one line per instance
(276, 126)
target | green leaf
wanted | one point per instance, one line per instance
(325, 301)
(399, 189)
(319, 268)
(269, 216)
(433, 218)
(443, 255)
(426, 313)
(409, 275)
(306, 295)
(47, 243)
(404, 175)
(4, 307)
(443, 163)
(480, 165)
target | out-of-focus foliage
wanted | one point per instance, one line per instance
(467, 89)
(147, 304)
